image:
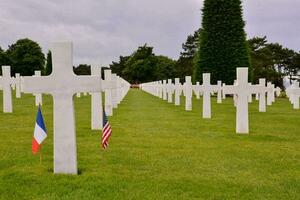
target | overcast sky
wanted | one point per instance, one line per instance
(102, 30)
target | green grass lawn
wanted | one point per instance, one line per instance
(157, 151)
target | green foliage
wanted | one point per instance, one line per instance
(141, 65)
(184, 67)
(223, 45)
(118, 67)
(185, 63)
(3, 59)
(82, 69)
(272, 61)
(165, 68)
(190, 47)
(157, 151)
(48, 69)
(25, 56)
(144, 66)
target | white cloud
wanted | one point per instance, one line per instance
(102, 30)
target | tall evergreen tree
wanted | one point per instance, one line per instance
(185, 64)
(48, 69)
(223, 45)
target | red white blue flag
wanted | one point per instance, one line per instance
(106, 131)
(40, 132)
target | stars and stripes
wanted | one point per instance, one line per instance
(40, 132)
(106, 131)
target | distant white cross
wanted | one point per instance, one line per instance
(39, 96)
(207, 89)
(295, 93)
(108, 94)
(188, 92)
(170, 90)
(164, 89)
(196, 89)
(223, 93)
(6, 81)
(219, 91)
(261, 90)
(96, 103)
(178, 91)
(242, 89)
(18, 85)
(62, 84)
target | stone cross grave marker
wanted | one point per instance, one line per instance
(295, 94)
(62, 84)
(196, 89)
(96, 101)
(223, 93)
(170, 90)
(38, 97)
(219, 91)
(18, 85)
(164, 89)
(178, 91)
(160, 88)
(260, 90)
(207, 89)
(5, 82)
(108, 94)
(188, 93)
(242, 89)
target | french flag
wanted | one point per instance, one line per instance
(40, 133)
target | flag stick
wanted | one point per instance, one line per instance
(41, 155)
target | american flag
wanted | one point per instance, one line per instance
(106, 131)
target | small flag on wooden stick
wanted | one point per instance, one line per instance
(106, 131)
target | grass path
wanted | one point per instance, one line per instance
(157, 151)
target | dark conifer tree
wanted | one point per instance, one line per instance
(223, 45)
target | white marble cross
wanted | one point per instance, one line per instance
(178, 91)
(188, 93)
(6, 81)
(294, 93)
(223, 93)
(157, 90)
(219, 91)
(242, 90)
(62, 84)
(278, 91)
(96, 103)
(114, 91)
(196, 89)
(39, 96)
(160, 88)
(250, 98)
(170, 90)
(270, 94)
(260, 91)
(164, 89)
(207, 89)
(108, 94)
(18, 85)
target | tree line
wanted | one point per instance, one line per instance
(269, 60)
(25, 56)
